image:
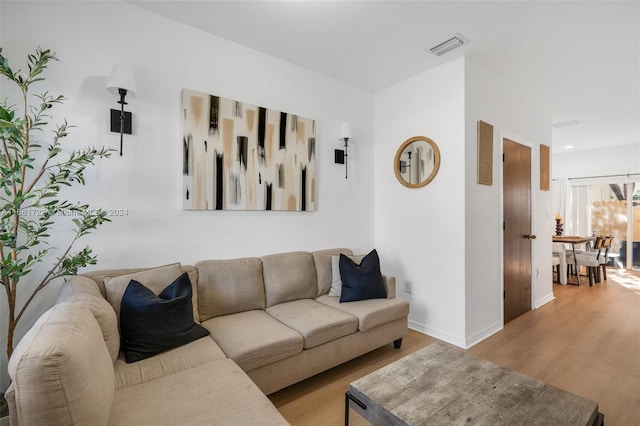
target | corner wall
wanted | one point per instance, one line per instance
(446, 238)
(523, 115)
(420, 233)
(89, 38)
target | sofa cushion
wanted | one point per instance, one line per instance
(76, 285)
(155, 279)
(150, 324)
(361, 281)
(317, 322)
(289, 276)
(83, 289)
(215, 393)
(61, 370)
(336, 280)
(324, 272)
(100, 277)
(229, 286)
(371, 313)
(253, 338)
(181, 358)
(193, 277)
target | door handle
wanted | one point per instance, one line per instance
(529, 237)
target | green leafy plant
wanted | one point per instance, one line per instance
(32, 177)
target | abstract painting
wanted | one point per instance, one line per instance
(238, 156)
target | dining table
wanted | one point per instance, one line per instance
(573, 240)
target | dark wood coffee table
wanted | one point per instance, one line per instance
(443, 385)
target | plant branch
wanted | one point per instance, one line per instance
(47, 279)
(20, 234)
(5, 151)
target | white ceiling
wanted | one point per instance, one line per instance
(585, 55)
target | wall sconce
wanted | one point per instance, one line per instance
(404, 165)
(341, 155)
(121, 82)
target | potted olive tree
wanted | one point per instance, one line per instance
(34, 169)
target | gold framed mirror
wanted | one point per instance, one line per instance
(417, 162)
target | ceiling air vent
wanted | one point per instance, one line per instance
(447, 46)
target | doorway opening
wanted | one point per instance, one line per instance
(609, 207)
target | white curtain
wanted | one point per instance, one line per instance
(417, 165)
(573, 203)
(559, 193)
(578, 211)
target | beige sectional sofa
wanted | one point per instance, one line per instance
(271, 322)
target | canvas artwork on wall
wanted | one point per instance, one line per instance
(238, 156)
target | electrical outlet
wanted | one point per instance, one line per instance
(407, 286)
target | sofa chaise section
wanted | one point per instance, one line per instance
(63, 375)
(215, 393)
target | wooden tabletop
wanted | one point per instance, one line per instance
(573, 239)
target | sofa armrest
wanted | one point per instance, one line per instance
(61, 371)
(390, 286)
(78, 288)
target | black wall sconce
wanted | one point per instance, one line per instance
(121, 82)
(404, 165)
(340, 156)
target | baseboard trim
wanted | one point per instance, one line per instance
(470, 341)
(479, 336)
(438, 334)
(543, 300)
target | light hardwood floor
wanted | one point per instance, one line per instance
(586, 341)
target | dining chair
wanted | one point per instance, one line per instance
(593, 249)
(602, 253)
(589, 251)
(559, 261)
(587, 260)
(555, 266)
(597, 246)
(603, 257)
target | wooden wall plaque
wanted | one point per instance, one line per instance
(485, 153)
(545, 173)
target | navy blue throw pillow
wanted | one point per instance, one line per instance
(363, 281)
(151, 324)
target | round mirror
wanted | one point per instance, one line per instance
(417, 162)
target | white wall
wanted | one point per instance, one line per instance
(166, 57)
(447, 237)
(597, 162)
(523, 115)
(421, 232)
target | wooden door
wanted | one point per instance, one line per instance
(517, 229)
